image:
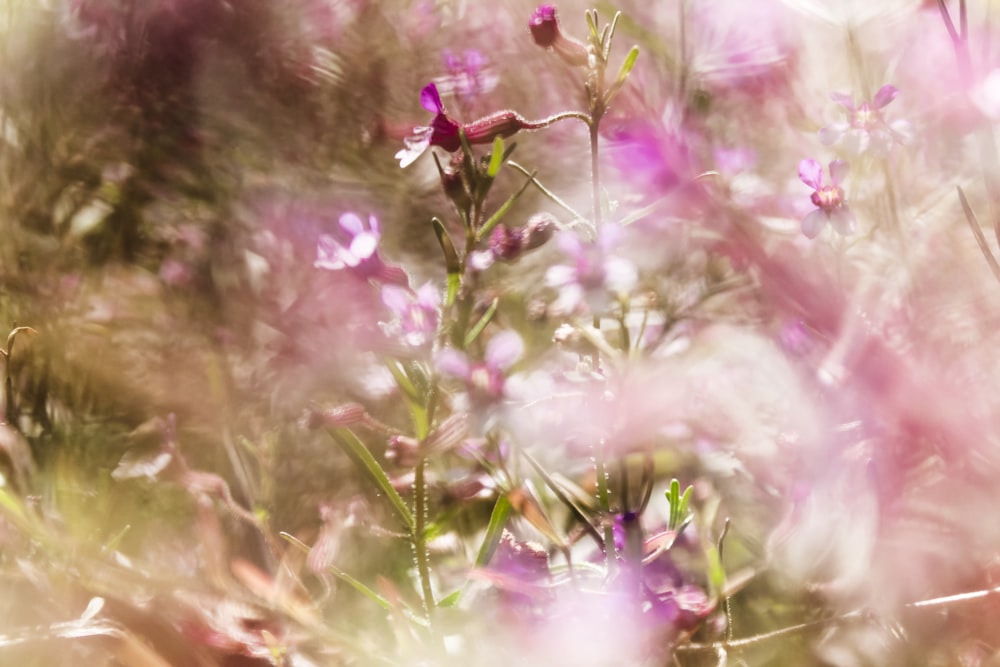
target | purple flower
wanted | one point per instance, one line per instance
(484, 380)
(865, 127)
(444, 131)
(416, 314)
(591, 273)
(828, 199)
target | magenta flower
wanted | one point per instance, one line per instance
(444, 131)
(865, 127)
(484, 380)
(416, 314)
(544, 26)
(831, 206)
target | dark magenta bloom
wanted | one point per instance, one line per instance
(444, 130)
(544, 26)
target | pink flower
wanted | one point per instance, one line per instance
(416, 314)
(829, 200)
(865, 127)
(593, 272)
(544, 27)
(355, 250)
(484, 380)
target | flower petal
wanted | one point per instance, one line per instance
(351, 224)
(504, 349)
(843, 220)
(830, 135)
(813, 223)
(844, 100)
(838, 171)
(397, 299)
(430, 99)
(452, 362)
(884, 95)
(811, 173)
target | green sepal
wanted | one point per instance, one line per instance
(504, 208)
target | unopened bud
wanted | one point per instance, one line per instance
(544, 26)
(506, 244)
(500, 124)
(539, 230)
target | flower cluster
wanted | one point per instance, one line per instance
(865, 127)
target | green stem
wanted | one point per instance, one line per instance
(604, 500)
(419, 537)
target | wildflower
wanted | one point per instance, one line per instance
(444, 131)
(416, 314)
(544, 26)
(356, 250)
(591, 274)
(484, 380)
(507, 244)
(865, 127)
(828, 199)
(468, 75)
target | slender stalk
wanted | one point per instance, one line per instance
(419, 538)
(604, 500)
(595, 171)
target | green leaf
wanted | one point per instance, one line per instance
(592, 23)
(340, 574)
(451, 599)
(496, 158)
(610, 35)
(716, 573)
(561, 494)
(502, 211)
(481, 324)
(358, 453)
(451, 261)
(623, 73)
(498, 519)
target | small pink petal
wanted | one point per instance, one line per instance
(813, 223)
(397, 299)
(843, 221)
(364, 245)
(351, 224)
(884, 95)
(452, 362)
(838, 171)
(811, 173)
(504, 349)
(830, 135)
(843, 100)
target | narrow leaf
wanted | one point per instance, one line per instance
(451, 261)
(481, 324)
(561, 494)
(973, 221)
(358, 453)
(498, 519)
(502, 211)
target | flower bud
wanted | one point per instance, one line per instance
(544, 26)
(506, 244)
(347, 414)
(538, 231)
(499, 124)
